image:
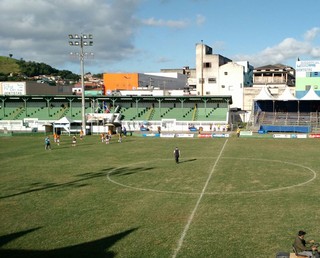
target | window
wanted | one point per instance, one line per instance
(212, 80)
(206, 65)
(314, 74)
(225, 73)
(223, 86)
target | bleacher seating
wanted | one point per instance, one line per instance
(133, 113)
(287, 118)
(211, 114)
(182, 114)
(11, 112)
(220, 114)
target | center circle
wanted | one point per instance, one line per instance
(269, 176)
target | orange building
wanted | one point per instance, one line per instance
(120, 81)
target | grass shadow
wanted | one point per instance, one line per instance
(125, 171)
(37, 186)
(97, 248)
(187, 160)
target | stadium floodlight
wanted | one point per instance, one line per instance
(80, 40)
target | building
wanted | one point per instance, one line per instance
(191, 74)
(219, 75)
(274, 75)
(133, 81)
(33, 88)
(307, 76)
(276, 78)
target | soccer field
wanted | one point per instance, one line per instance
(228, 197)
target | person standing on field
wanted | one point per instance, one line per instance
(81, 135)
(176, 154)
(238, 132)
(74, 141)
(47, 143)
(107, 138)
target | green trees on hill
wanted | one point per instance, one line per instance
(13, 69)
(31, 69)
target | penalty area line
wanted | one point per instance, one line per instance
(186, 228)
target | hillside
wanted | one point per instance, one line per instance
(8, 65)
(12, 69)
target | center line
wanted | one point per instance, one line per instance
(197, 204)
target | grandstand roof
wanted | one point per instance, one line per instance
(222, 98)
(286, 95)
(311, 95)
(264, 94)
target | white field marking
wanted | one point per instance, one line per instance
(218, 193)
(274, 189)
(147, 189)
(184, 232)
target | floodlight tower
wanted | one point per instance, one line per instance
(81, 41)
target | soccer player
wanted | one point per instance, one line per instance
(176, 154)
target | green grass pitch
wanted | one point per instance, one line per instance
(228, 197)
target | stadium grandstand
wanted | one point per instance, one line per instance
(37, 113)
(287, 113)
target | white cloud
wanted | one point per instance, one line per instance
(165, 23)
(163, 60)
(312, 34)
(287, 50)
(38, 30)
(200, 19)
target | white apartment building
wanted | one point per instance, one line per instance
(218, 75)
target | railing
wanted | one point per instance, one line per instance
(289, 119)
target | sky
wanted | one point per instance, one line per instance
(148, 35)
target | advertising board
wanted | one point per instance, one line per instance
(205, 135)
(13, 88)
(314, 136)
(308, 66)
(167, 135)
(220, 135)
(184, 135)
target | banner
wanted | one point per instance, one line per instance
(185, 135)
(13, 88)
(205, 135)
(220, 135)
(290, 136)
(167, 135)
(151, 135)
(282, 136)
(314, 136)
(246, 133)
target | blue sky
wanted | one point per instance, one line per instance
(148, 35)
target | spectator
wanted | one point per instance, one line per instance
(300, 244)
